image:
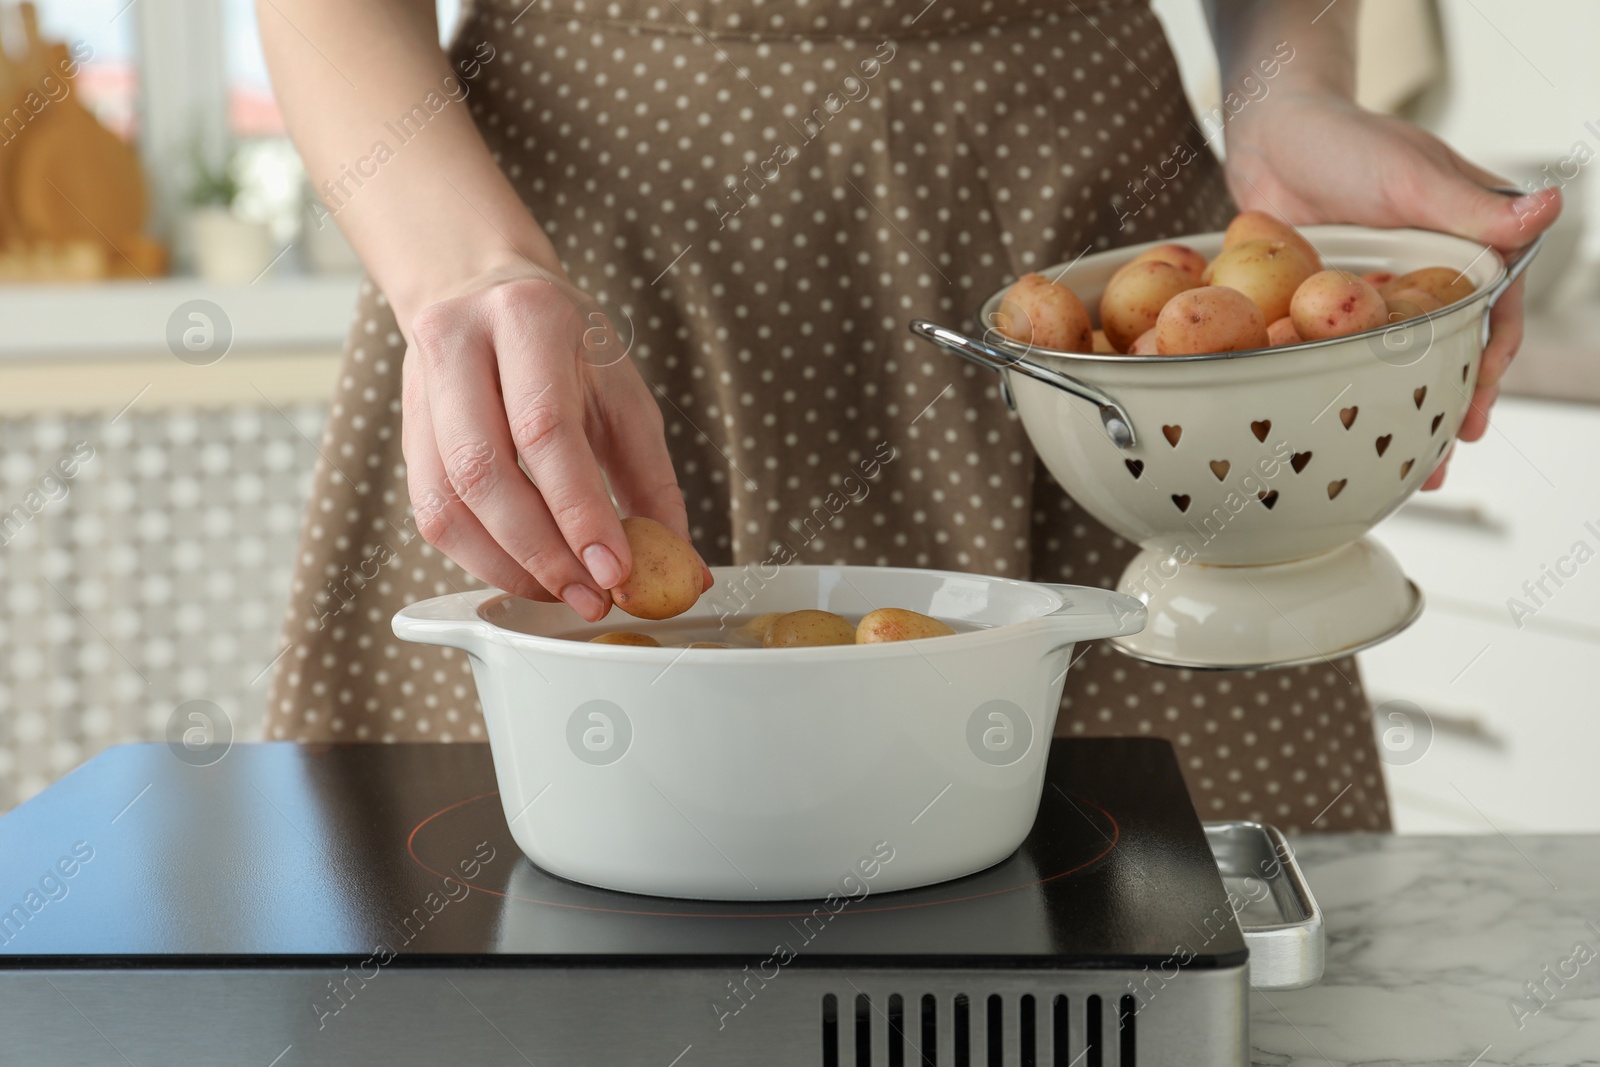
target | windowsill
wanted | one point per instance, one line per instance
(100, 320)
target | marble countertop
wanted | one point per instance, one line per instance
(1432, 944)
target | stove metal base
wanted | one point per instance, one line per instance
(583, 1016)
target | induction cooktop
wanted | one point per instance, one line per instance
(292, 904)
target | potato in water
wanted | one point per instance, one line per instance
(625, 637)
(1038, 311)
(810, 627)
(898, 624)
(666, 576)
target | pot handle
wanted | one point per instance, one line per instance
(1287, 954)
(1518, 262)
(1090, 614)
(452, 621)
(1118, 426)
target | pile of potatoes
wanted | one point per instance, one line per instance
(809, 628)
(666, 580)
(1266, 288)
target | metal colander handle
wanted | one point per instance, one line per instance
(1118, 426)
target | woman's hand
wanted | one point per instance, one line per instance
(520, 365)
(1315, 157)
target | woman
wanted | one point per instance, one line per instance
(760, 194)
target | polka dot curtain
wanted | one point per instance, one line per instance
(144, 563)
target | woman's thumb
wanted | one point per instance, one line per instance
(1501, 220)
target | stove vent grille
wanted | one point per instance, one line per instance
(1030, 1030)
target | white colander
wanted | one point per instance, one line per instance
(1249, 479)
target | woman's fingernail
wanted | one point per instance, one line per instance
(603, 565)
(584, 601)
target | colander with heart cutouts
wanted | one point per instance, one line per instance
(1249, 480)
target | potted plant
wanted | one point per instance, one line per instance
(227, 247)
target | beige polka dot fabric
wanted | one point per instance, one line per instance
(764, 194)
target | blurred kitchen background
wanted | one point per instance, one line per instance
(161, 407)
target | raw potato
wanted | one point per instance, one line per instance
(1212, 318)
(1103, 345)
(1268, 272)
(1406, 304)
(801, 629)
(1378, 278)
(1282, 332)
(1445, 284)
(1038, 311)
(1136, 294)
(1334, 303)
(1181, 256)
(898, 624)
(756, 628)
(625, 637)
(1258, 225)
(1145, 345)
(666, 576)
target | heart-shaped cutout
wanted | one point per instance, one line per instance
(1172, 434)
(1437, 419)
(1219, 467)
(1348, 416)
(1419, 394)
(1299, 460)
(1182, 500)
(1335, 488)
(1383, 443)
(1135, 466)
(1268, 499)
(1405, 468)
(1261, 429)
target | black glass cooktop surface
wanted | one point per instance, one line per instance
(282, 853)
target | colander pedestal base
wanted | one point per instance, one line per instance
(1211, 617)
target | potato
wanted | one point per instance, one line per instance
(1258, 225)
(1282, 332)
(625, 637)
(756, 628)
(1103, 345)
(1212, 318)
(799, 629)
(1145, 345)
(898, 624)
(1038, 311)
(1409, 303)
(666, 576)
(707, 644)
(1445, 284)
(1333, 303)
(1378, 278)
(1181, 256)
(1268, 272)
(1136, 294)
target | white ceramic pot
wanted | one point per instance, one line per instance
(228, 248)
(760, 774)
(1252, 477)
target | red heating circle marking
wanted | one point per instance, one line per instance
(1111, 843)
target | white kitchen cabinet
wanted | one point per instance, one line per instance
(1513, 697)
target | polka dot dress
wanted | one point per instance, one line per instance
(763, 194)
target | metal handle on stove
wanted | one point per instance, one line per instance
(1287, 954)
